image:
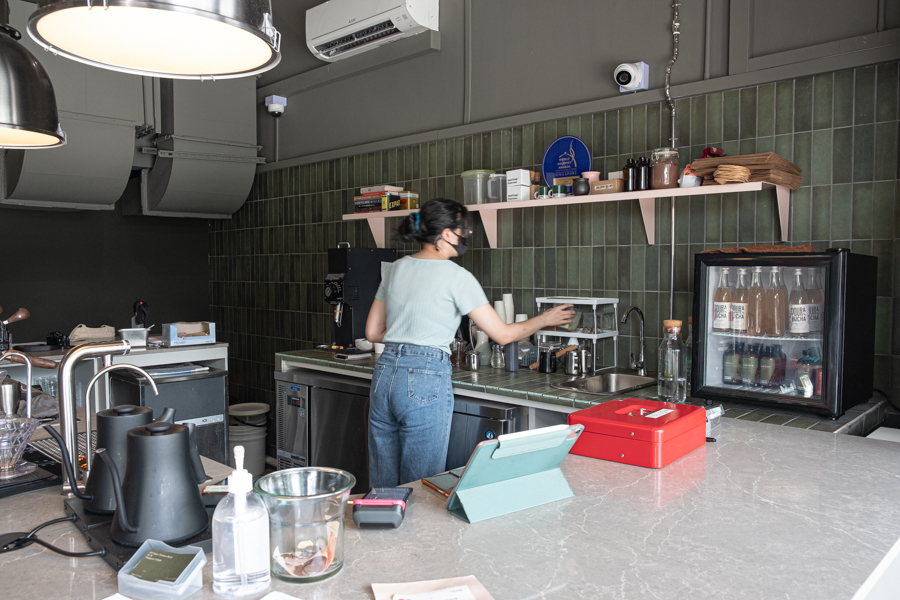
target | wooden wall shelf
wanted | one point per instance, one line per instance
(646, 198)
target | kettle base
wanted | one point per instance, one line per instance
(96, 529)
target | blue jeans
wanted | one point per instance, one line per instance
(410, 410)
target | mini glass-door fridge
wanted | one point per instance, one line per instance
(787, 328)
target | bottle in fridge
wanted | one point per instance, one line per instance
(722, 305)
(673, 362)
(776, 304)
(781, 359)
(798, 302)
(756, 305)
(740, 299)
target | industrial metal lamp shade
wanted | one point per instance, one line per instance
(28, 117)
(199, 39)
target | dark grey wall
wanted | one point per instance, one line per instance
(535, 55)
(89, 267)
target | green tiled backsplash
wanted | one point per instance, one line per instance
(268, 262)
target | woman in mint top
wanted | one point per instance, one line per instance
(416, 313)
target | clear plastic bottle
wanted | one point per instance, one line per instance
(739, 302)
(240, 535)
(672, 381)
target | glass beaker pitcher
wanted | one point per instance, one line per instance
(306, 520)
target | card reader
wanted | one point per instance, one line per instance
(381, 508)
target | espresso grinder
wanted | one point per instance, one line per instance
(350, 286)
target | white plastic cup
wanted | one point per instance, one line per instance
(501, 309)
(379, 348)
(510, 310)
(521, 317)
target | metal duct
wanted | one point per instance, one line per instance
(206, 151)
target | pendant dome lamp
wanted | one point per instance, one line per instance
(176, 39)
(28, 117)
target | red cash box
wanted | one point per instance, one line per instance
(645, 433)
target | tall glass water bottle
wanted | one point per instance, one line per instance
(673, 364)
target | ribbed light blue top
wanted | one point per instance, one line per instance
(425, 300)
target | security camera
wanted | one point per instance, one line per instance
(632, 77)
(276, 105)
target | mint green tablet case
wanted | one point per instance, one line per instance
(511, 475)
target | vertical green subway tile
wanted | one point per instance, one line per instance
(821, 158)
(598, 135)
(698, 120)
(612, 132)
(803, 152)
(527, 146)
(683, 121)
(765, 110)
(884, 252)
(574, 225)
(883, 206)
(729, 218)
(886, 93)
(612, 223)
(562, 268)
(517, 268)
(598, 264)
(843, 98)
(665, 262)
(682, 219)
(823, 86)
(841, 211)
(585, 225)
(883, 313)
(639, 129)
(697, 219)
(784, 146)
(748, 146)
(573, 127)
(714, 117)
(528, 228)
(624, 222)
(598, 223)
(731, 147)
(663, 220)
(864, 96)
(765, 144)
(550, 226)
(562, 225)
(784, 107)
(506, 149)
(863, 152)
(539, 241)
(611, 269)
(800, 225)
(652, 127)
(562, 127)
(528, 263)
(539, 268)
(886, 151)
(665, 126)
(862, 211)
(496, 145)
(842, 155)
(681, 268)
(624, 268)
(516, 160)
(637, 267)
(731, 116)
(766, 209)
(638, 232)
(748, 113)
(713, 225)
(585, 268)
(573, 280)
(803, 93)
(746, 217)
(550, 133)
(651, 267)
(505, 228)
(625, 116)
(539, 146)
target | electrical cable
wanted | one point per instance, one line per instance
(27, 539)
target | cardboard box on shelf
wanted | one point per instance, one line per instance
(610, 186)
(522, 177)
(517, 193)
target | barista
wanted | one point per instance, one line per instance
(416, 313)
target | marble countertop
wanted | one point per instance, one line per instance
(535, 387)
(765, 512)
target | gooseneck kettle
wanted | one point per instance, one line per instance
(158, 497)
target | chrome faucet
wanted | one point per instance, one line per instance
(68, 422)
(640, 364)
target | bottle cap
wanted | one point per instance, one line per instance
(667, 324)
(798, 271)
(757, 269)
(240, 481)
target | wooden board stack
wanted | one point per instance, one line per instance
(768, 167)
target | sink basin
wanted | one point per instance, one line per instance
(608, 383)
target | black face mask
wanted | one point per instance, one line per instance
(462, 246)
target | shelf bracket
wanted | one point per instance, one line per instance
(783, 194)
(377, 227)
(648, 212)
(489, 221)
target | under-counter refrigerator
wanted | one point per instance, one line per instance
(785, 328)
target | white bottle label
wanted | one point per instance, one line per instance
(721, 315)
(815, 317)
(739, 316)
(799, 318)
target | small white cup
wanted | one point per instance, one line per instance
(379, 348)
(363, 344)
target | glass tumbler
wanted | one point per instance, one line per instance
(306, 521)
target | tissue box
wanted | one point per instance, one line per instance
(521, 177)
(188, 333)
(517, 193)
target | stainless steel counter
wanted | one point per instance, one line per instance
(765, 512)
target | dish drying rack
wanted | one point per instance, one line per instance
(591, 324)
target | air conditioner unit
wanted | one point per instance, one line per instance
(341, 28)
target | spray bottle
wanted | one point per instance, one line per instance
(240, 535)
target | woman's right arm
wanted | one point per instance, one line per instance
(490, 322)
(376, 324)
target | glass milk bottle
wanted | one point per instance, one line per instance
(798, 326)
(816, 302)
(739, 303)
(756, 305)
(776, 304)
(722, 304)
(672, 381)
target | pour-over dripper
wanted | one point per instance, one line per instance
(15, 433)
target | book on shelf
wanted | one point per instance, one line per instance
(373, 189)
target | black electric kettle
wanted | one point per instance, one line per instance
(112, 426)
(158, 497)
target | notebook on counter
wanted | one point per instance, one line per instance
(514, 472)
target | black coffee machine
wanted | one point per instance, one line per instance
(350, 286)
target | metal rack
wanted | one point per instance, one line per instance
(598, 331)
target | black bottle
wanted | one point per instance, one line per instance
(630, 175)
(643, 166)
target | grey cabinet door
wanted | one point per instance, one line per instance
(339, 429)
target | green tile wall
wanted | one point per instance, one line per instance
(267, 263)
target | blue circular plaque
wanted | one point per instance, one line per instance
(568, 156)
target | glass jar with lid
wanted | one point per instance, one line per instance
(664, 168)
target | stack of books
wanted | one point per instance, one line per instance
(377, 198)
